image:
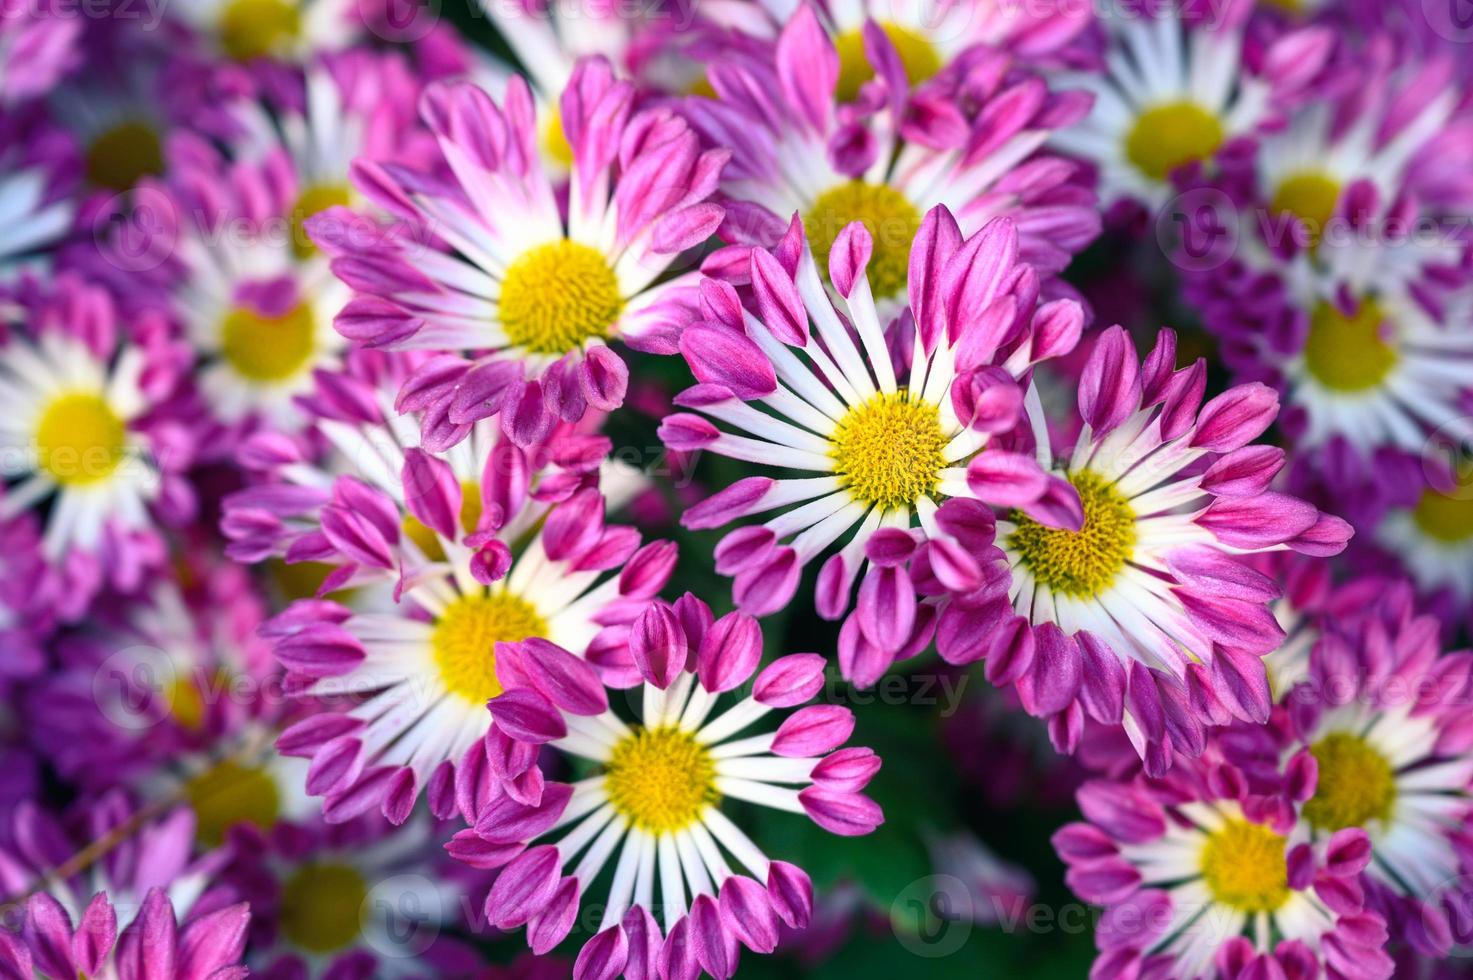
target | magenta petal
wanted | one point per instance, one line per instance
(658, 645)
(506, 821)
(527, 716)
(791, 892)
(779, 307)
(845, 814)
(729, 652)
(1006, 479)
(721, 356)
(790, 681)
(603, 956)
(565, 680)
(813, 731)
(554, 919)
(524, 887)
(748, 913)
(710, 939)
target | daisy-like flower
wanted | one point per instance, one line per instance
(256, 299)
(654, 810)
(927, 35)
(1174, 90)
(362, 898)
(1201, 878)
(1429, 535)
(890, 431)
(35, 211)
(543, 293)
(78, 433)
(1385, 720)
(1143, 611)
(973, 150)
(287, 30)
(487, 548)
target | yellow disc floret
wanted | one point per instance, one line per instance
(1349, 353)
(1169, 136)
(230, 794)
(322, 906)
(121, 156)
(888, 450)
(889, 217)
(918, 56)
(1445, 517)
(1311, 197)
(1082, 563)
(314, 200)
(465, 638)
(267, 349)
(556, 297)
(80, 440)
(555, 139)
(1356, 784)
(257, 28)
(1244, 867)
(661, 779)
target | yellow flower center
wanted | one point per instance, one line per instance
(661, 779)
(80, 440)
(1445, 518)
(887, 451)
(1356, 784)
(123, 155)
(470, 515)
(322, 906)
(257, 28)
(1168, 136)
(1309, 196)
(1243, 864)
(555, 297)
(186, 701)
(918, 55)
(888, 215)
(231, 794)
(268, 348)
(465, 638)
(1082, 563)
(314, 200)
(555, 139)
(1348, 353)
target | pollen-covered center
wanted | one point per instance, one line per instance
(1444, 517)
(230, 793)
(1356, 784)
(123, 155)
(555, 297)
(888, 451)
(1244, 867)
(314, 200)
(661, 779)
(322, 906)
(1171, 135)
(1309, 196)
(267, 349)
(257, 28)
(465, 638)
(80, 440)
(888, 215)
(1079, 563)
(1349, 353)
(918, 56)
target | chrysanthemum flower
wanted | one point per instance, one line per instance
(795, 148)
(81, 436)
(1201, 878)
(487, 548)
(288, 30)
(360, 899)
(1384, 717)
(654, 810)
(926, 36)
(543, 293)
(1145, 613)
(892, 430)
(1430, 537)
(1175, 89)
